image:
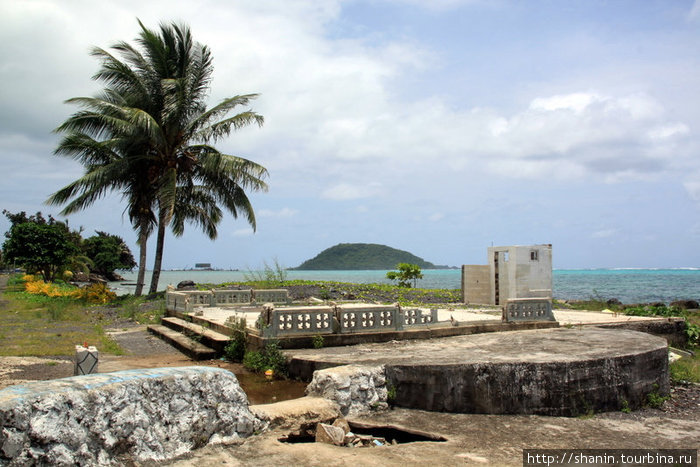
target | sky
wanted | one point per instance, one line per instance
(440, 127)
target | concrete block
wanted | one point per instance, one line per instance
(86, 360)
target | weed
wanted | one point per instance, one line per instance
(318, 341)
(686, 369)
(235, 350)
(654, 399)
(270, 277)
(625, 407)
(269, 358)
(391, 394)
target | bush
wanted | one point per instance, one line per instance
(95, 293)
(269, 358)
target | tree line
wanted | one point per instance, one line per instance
(48, 247)
(148, 135)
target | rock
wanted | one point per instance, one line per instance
(97, 278)
(145, 415)
(81, 277)
(685, 304)
(114, 277)
(613, 302)
(329, 434)
(357, 389)
(186, 285)
(342, 423)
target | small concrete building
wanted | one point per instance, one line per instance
(512, 272)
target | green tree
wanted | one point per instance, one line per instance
(405, 274)
(149, 134)
(107, 253)
(39, 246)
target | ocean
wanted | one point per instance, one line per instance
(626, 285)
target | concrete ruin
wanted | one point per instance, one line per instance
(103, 419)
(559, 372)
(511, 272)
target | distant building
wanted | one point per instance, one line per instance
(202, 265)
(512, 272)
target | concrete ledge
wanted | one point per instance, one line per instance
(126, 416)
(184, 344)
(671, 329)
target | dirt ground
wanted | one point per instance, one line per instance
(473, 439)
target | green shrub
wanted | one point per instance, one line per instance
(269, 358)
(318, 341)
(655, 400)
(235, 350)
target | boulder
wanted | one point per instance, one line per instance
(686, 304)
(330, 434)
(125, 417)
(185, 285)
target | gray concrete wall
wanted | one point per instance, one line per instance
(524, 271)
(476, 284)
(122, 417)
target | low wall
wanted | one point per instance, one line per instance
(126, 416)
(185, 301)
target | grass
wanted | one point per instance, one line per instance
(686, 369)
(37, 325)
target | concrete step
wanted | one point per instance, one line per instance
(184, 344)
(208, 337)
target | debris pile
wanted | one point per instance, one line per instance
(339, 434)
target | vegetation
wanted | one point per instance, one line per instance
(39, 245)
(235, 350)
(269, 278)
(405, 274)
(269, 358)
(148, 135)
(107, 253)
(42, 325)
(363, 256)
(48, 247)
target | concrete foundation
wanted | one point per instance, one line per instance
(550, 372)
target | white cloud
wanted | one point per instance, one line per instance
(348, 191)
(692, 187)
(694, 12)
(247, 232)
(281, 213)
(604, 233)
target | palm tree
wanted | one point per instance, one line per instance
(152, 123)
(107, 169)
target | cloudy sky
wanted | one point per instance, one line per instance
(439, 127)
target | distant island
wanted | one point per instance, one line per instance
(362, 256)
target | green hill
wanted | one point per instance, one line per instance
(349, 256)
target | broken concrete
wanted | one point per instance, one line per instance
(356, 389)
(145, 415)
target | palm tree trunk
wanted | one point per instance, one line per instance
(159, 255)
(143, 238)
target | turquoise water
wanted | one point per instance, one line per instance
(627, 285)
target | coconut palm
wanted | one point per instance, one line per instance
(152, 113)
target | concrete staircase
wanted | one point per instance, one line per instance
(197, 341)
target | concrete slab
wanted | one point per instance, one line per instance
(552, 371)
